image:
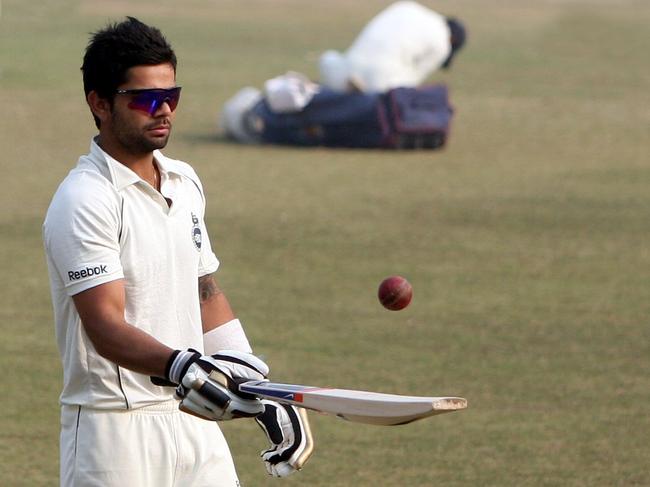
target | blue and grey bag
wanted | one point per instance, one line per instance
(402, 118)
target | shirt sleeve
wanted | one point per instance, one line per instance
(81, 233)
(208, 262)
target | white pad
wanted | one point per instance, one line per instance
(290, 92)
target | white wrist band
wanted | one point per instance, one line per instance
(229, 336)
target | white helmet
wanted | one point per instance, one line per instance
(231, 119)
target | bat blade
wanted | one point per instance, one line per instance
(356, 406)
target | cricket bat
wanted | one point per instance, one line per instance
(356, 406)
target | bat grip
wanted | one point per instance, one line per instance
(231, 383)
(246, 395)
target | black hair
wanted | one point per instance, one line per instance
(118, 47)
(458, 36)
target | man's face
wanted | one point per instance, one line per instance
(137, 131)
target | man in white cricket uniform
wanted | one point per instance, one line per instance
(135, 303)
(399, 47)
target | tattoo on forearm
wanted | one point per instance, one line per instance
(207, 288)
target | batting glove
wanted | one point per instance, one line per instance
(288, 432)
(207, 384)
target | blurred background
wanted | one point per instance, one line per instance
(525, 239)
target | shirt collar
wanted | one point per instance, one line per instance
(118, 173)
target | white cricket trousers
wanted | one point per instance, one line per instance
(152, 446)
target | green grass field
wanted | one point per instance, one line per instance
(526, 239)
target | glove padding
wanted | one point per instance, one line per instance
(288, 432)
(207, 384)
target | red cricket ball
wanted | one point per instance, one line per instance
(395, 293)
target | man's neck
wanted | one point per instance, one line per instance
(139, 163)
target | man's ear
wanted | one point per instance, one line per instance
(100, 107)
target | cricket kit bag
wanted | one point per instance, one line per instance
(401, 118)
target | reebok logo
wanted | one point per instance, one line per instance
(87, 272)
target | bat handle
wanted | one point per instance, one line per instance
(232, 384)
(246, 395)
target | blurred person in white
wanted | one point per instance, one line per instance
(400, 47)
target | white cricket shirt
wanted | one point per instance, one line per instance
(105, 223)
(399, 47)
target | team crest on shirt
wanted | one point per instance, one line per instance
(196, 232)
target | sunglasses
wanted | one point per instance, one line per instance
(151, 99)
